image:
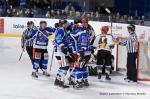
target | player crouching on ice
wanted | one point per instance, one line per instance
(61, 53)
(103, 53)
(40, 38)
(74, 48)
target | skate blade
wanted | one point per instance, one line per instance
(35, 78)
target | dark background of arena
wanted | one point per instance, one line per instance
(123, 11)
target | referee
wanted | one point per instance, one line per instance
(131, 44)
(28, 44)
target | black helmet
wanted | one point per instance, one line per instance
(56, 25)
(30, 22)
(131, 27)
(76, 21)
(63, 21)
(41, 22)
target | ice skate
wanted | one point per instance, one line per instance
(61, 84)
(107, 77)
(85, 83)
(46, 74)
(56, 83)
(34, 74)
(78, 85)
(99, 75)
(71, 83)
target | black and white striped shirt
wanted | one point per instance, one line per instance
(24, 41)
(130, 43)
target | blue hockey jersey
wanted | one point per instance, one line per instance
(83, 41)
(59, 36)
(40, 38)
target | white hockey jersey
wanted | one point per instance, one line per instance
(104, 42)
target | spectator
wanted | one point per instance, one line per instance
(122, 20)
(1, 12)
(31, 4)
(14, 3)
(69, 8)
(109, 18)
(97, 16)
(29, 13)
(78, 15)
(130, 20)
(11, 11)
(71, 15)
(24, 3)
(136, 15)
(52, 13)
(3, 4)
(100, 9)
(142, 20)
(57, 4)
(88, 15)
(63, 13)
(48, 14)
(58, 13)
(117, 17)
(92, 15)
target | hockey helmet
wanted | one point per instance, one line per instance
(56, 25)
(30, 22)
(41, 22)
(76, 21)
(105, 29)
(131, 27)
(63, 21)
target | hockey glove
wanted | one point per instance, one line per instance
(64, 49)
(111, 46)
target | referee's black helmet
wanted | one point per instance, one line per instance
(131, 27)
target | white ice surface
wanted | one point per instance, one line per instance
(16, 81)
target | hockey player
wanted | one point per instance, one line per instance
(61, 51)
(40, 37)
(82, 53)
(28, 44)
(89, 29)
(103, 53)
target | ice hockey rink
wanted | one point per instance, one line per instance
(16, 81)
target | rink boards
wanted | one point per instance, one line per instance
(14, 27)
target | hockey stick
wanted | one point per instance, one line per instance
(21, 55)
(109, 12)
(52, 59)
